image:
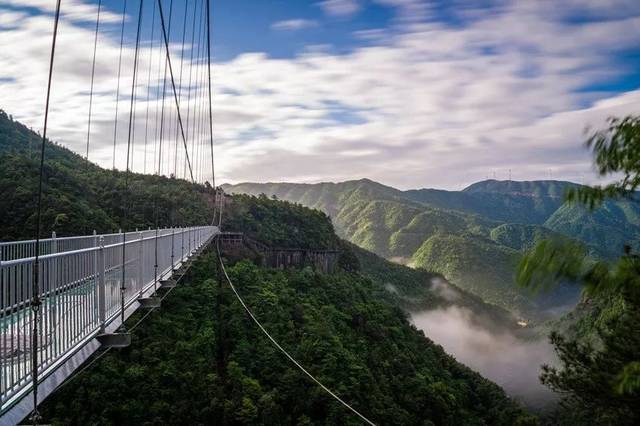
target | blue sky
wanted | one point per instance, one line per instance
(413, 93)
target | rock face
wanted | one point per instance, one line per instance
(239, 245)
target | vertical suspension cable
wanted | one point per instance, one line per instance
(199, 91)
(115, 127)
(203, 86)
(189, 107)
(175, 155)
(164, 92)
(201, 124)
(213, 175)
(158, 97)
(213, 178)
(127, 172)
(184, 33)
(196, 89)
(133, 129)
(146, 126)
(155, 200)
(93, 71)
(35, 296)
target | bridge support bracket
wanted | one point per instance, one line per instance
(149, 302)
(114, 340)
(170, 283)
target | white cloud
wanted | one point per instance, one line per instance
(294, 24)
(430, 106)
(74, 10)
(10, 19)
(340, 7)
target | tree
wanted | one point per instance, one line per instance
(616, 149)
(599, 378)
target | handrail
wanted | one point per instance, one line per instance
(25, 260)
(80, 294)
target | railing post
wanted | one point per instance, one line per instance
(140, 261)
(102, 304)
(53, 269)
(54, 243)
(155, 260)
(182, 244)
(95, 258)
(172, 245)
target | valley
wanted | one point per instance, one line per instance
(474, 239)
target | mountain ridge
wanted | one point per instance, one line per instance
(483, 228)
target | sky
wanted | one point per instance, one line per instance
(411, 93)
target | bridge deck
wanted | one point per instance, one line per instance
(80, 291)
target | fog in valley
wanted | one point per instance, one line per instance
(499, 355)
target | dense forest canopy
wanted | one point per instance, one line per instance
(201, 360)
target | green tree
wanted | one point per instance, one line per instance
(616, 149)
(598, 377)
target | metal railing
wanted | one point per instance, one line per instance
(80, 293)
(10, 250)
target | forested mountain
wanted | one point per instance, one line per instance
(79, 197)
(474, 237)
(200, 360)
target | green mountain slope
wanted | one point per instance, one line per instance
(200, 360)
(80, 197)
(473, 237)
(510, 204)
(605, 230)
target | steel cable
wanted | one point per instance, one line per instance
(35, 300)
(280, 348)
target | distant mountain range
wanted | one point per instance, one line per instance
(474, 236)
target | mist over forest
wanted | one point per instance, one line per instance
(498, 354)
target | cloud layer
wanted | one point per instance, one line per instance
(424, 103)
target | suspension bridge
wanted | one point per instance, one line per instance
(64, 298)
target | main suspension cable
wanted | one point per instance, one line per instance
(35, 297)
(277, 345)
(173, 85)
(127, 171)
(184, 33)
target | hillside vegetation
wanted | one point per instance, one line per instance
(79, 197)
(200, 360)
(474, 237)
